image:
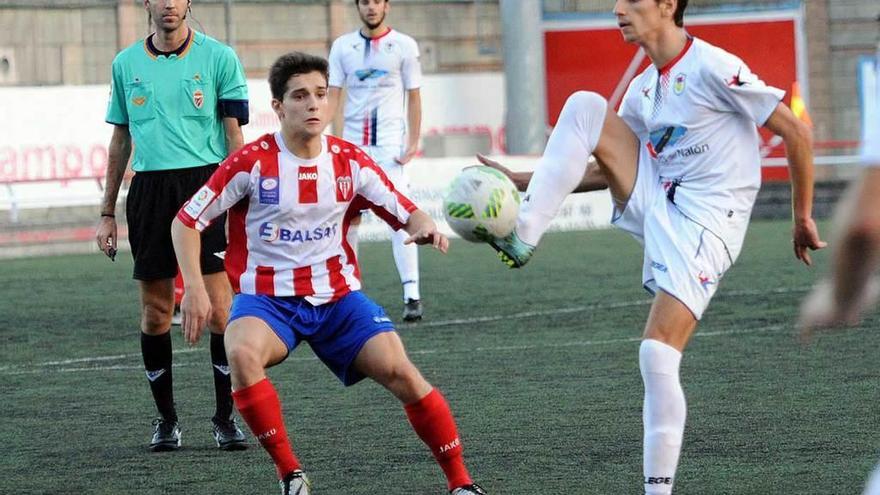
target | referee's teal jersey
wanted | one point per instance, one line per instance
(174, 103)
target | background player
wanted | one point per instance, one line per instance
(683, 166)
(853, 289)
(180, 97)
(292, 195)
(376, 65)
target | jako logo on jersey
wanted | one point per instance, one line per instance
(270, 232)
(343, 188)
(308, 184)
(678, 85)
(365, 74)
(198, 98)
(139, 100)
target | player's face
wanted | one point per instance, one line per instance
(168, 15)
(303, 111)
(372, 12)
(638, 20)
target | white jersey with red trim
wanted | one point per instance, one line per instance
(376, 73)
(697, 117)
(289, 217)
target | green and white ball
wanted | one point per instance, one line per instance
(481, 203)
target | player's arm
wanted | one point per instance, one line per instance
(334, 96)
(593, 179)
(196, 305)
(119, 153)
(798, 140)
(422, 230)
(413, 125)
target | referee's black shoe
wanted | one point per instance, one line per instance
(166, 435)
(228, 435)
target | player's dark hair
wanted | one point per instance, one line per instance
(358, 2)
(294, 64)
(679, 12)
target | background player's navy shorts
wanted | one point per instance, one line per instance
(153, 201)
(336, 331)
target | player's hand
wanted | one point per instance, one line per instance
(519, 179)
(805, 238)
(407, 155)
(194, 309)
(105, 236)
(430, 235)
(821, 310)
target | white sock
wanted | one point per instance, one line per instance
(563, 163)
(663, 415)
(406, 257)
(873, 487)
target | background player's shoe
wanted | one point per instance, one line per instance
(228, 435)
(166, 435)
(177, 316)
(473, 489)
(412, 310)
(512, 250)
(295, 483)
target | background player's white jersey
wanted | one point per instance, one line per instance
(289, 217)
(376, 73)
(869, 92)
(697, 118)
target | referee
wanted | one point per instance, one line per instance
(181, 98)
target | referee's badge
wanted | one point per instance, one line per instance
(198, 98)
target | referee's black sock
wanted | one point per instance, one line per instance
(222, 381)
(156, 350)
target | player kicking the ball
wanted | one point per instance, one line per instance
(291, 196)
(683, 167)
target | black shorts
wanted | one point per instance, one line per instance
(153, 201)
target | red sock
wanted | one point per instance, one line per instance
(432, 420)
(261, 410)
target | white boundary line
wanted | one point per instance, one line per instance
(60, 366)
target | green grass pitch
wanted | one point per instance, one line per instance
(539, 365)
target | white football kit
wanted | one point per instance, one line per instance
(869, 94)
(699, 167)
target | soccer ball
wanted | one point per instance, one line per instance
(481, 203)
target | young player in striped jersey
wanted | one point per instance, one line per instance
(853, 289)
(291, 196)
(380, 71)
(682, 164)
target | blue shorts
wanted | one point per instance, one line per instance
(335, 331)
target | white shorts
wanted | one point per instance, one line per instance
(682, 258)
(384, 156)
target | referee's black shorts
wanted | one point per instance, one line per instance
(153, 201)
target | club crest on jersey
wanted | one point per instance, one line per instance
(270, 193)
(343, 188)
(678, 85)
(139, 101)
(307, 177)
(198, 98)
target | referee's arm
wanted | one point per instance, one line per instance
(119, 152)
(234, 137)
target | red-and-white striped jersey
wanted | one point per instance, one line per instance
(289, 217)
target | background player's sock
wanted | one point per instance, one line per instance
(261, 410)
(563, 163)
(432, 421)
(156, 350)
(406, 257)
(663, 415)
(222, 381)
(873, 486)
